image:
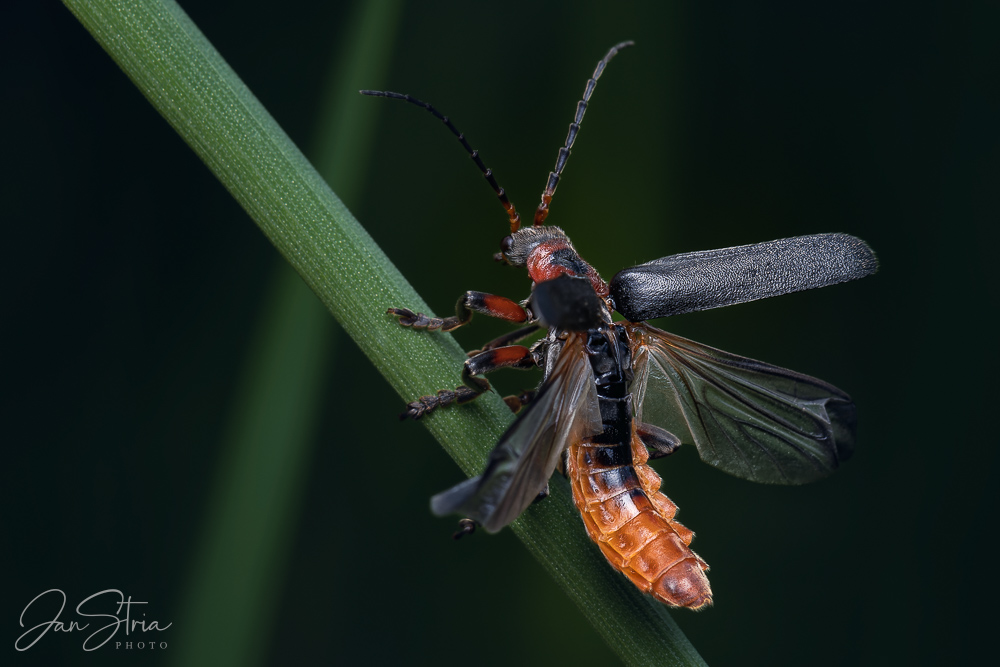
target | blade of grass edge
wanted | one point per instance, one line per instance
(188, 82)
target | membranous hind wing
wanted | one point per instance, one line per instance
(748, 418)
(520, 465)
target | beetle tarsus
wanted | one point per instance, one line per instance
(542, 495)
(444, 398)
(660, 442)
(465, 527)
(408, 318)
(517, 403)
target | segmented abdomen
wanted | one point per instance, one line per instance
(633, 523)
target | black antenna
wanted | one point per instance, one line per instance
(515, 218)
(581, 108)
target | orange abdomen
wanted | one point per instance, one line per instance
(633, 524)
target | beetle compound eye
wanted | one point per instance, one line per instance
(507, 244)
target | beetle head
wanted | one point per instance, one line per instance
(515, 248)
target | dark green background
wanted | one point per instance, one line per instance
(132, 283)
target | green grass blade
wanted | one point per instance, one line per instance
(176, 68)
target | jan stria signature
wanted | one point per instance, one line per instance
(106, 600)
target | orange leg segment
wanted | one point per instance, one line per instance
(471, 302)
(509, 356)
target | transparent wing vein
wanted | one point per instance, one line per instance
(749, 418)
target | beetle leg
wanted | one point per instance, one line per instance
(507, 339)
(542, 495)
(445, 397)
(516, 403)
(511, 356)
(465, 527)
(470, 302)
(658, 441)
